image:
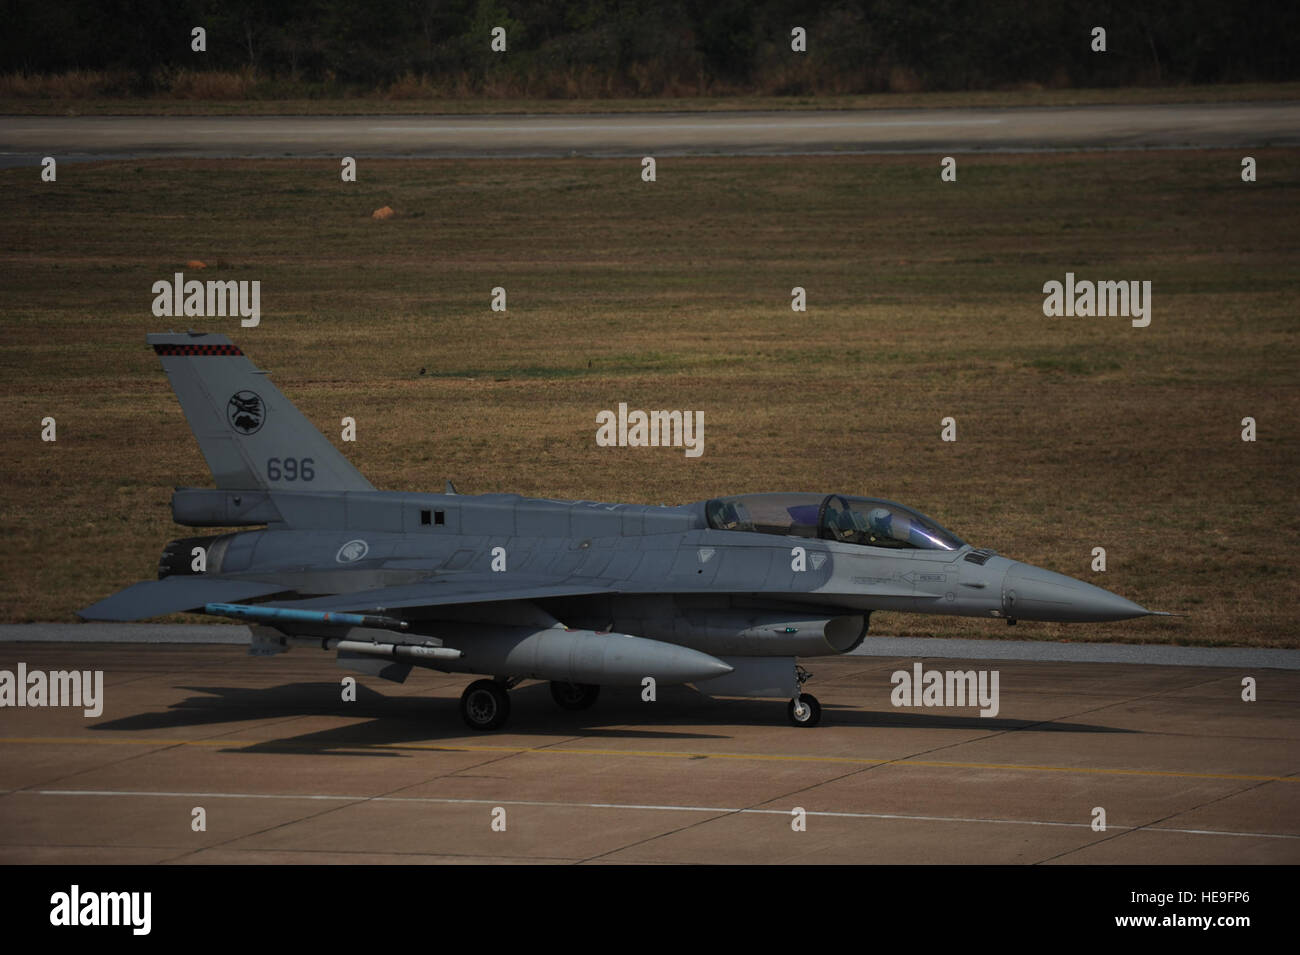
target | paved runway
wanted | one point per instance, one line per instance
(25, 139)
(287, 772)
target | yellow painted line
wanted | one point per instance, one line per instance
(1089, 769)
(82, 740)
(671, 754)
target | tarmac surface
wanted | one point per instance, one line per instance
(286, 771)
(24, 140)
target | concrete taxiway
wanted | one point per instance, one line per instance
(285, 771)
(25, 139)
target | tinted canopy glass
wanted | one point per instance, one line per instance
(868, 521)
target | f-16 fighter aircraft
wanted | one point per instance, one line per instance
(724, 594)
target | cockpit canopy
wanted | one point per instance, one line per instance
(854, 520)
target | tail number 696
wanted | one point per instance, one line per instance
(289, 469)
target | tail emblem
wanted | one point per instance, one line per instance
(245, 412)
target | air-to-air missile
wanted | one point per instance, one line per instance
(283, 615)
(725, 594)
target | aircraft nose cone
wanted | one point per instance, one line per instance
(1032, 593)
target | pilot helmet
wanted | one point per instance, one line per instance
(879, 519)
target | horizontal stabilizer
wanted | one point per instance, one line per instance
(154, 598)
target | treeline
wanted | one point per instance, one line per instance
(563, 48)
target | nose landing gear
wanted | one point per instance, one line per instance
(803, 709)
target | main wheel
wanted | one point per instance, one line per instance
(809, 712)
(574, 696)
(485, 705)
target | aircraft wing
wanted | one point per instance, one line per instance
(470, 588)
(449, 590)
(154, 598)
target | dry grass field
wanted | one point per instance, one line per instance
(193, 93)
(924, 301)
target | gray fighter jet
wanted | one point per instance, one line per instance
(724, 594)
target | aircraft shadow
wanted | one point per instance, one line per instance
(620, 714)
(393, 720)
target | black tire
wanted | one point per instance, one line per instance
(574, 696)
(813, 711)
(485, 705)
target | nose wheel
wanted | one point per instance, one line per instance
(485, 705)
(804, 710)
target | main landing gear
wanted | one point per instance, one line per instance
(574, 696)
(485, 704)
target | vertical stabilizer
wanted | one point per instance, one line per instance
(250, 434)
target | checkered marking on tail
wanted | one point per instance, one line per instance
(196, 350)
